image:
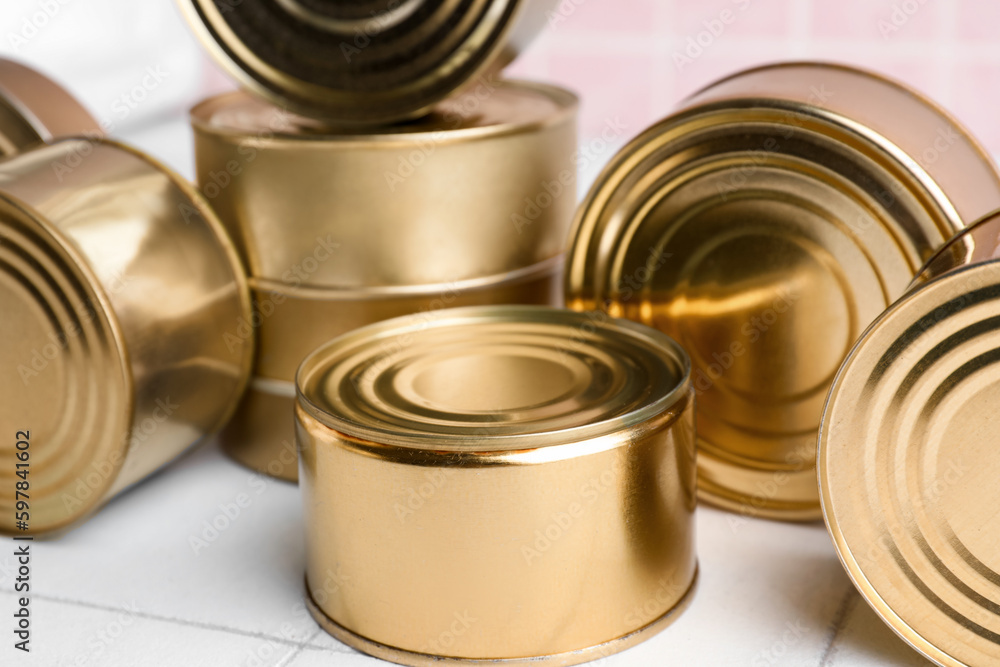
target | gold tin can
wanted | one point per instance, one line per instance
(34, 110)
(908, 460)
(116, 285)
(292, 321)
(363, 63)
(482, 187)
(763, 226)
(497, 484)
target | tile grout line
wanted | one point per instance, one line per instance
(294, 653)
(185, 622)
(839, 619)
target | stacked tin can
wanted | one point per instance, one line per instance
(378, 167)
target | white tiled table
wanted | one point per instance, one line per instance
(128, 590)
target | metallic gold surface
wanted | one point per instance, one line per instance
(293, 321)
(908, 461)
(363, 63)
(116, 286)
(497, 483)
(261, 434)
(35, 110)
(763, 226)
(402, 657)
(482, 187)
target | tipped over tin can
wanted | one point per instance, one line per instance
(293, 320)
(34, 110)
(484, 186)
(527, 470)
(364, 63)
(763, 226)
(117, 284)
(908, 456)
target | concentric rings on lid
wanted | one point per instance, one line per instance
(69, 387)
(503, 377)
(366, 63)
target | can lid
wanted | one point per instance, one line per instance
(511, 106)
(35, 109)
(492, 378)
(68, 385)
(368, 63)
(908, 466)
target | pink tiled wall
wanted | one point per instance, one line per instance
(623, 56)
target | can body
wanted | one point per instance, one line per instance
(485, 186)
(120, 283)
(764, 226)
(291, 322)
(475, 546)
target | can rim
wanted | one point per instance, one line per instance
(594, 206)
(324, 293)
(566, 101)
(22, 88)
(879, 76)
(406, 657)
(962, 234)
(514, 443)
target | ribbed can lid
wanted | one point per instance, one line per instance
(68, 386)
(493, 378)
(909, 458)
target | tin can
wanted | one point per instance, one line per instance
(507, 484)
(908, 456)
(34, 110)
(116, 284)
(482, 187)
(763, 226)
(292, 321)
(363, 63)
